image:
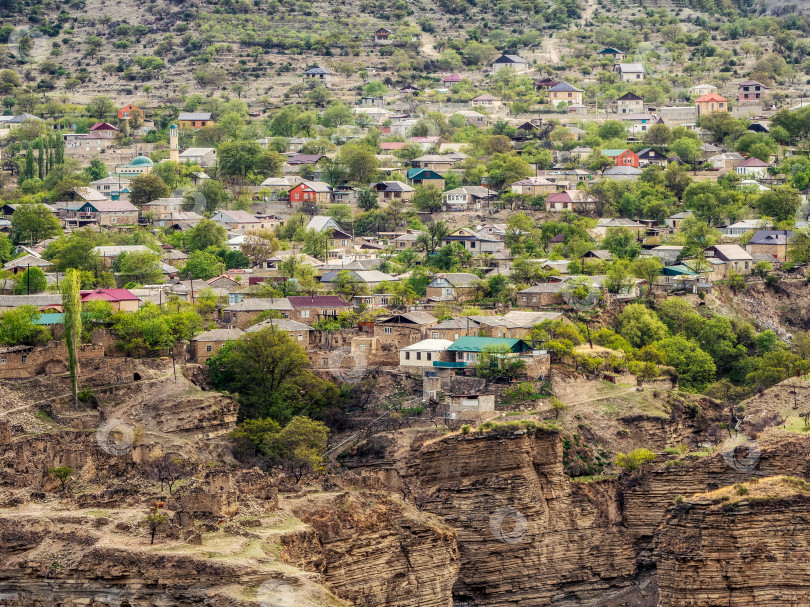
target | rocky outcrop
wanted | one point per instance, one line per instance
(527, 535)
(373, 550)
(736, 552)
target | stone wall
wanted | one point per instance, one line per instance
(25, 362)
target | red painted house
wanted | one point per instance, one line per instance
(622, 158)
(311, 191)
(130, 111)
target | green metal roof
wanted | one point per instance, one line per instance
(613, 151)
(51, 318)
(677, 270)
(477, 344)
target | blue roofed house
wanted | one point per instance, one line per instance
(425, 177)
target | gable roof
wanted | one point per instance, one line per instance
(564, 87)
(317, 301)
(319, 70)
(235, 217)
(754, 162)
(458, 279)
(486, 97)
(434, 345)
(771, 237)
(731, 251)
(194, 116)
(280, 324)
(630, 68)
(510, 59)
(629, 97)
(218, 335)
(417, 317)
(109, 295)
(710, 97)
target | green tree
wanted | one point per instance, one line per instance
(779, 203)
(622, 243)
(202, 265)
(431, 238)
(648, 268)
(799, 247)
(72, 308)
(62, 474)
(427, 199)
(205, 234)
(695, 368)
(97, 169)
(238, 158)
(140, 267)
(634, 459)
(640, 326)
(17, 327)
(146, 188)
(101, 107)
(32, 222)
(496, 362)
(348, 286)
(367, 199)
(270, 373)
(687, 149)
(31, 281)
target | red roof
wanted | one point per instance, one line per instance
(452, 78)
(108, 295)
(103, 126)
(559, 197)
(392, 145)
(317, 301)
(753, 162)
(710, 97)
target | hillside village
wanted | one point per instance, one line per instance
(307, 272)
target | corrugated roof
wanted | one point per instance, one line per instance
(219, 335)
(477, 344)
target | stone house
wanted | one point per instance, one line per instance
(236, 220)
(474, 242)
(534, 186)
(486, 100)
(541, 295)
(21, 362)
(562, 91)
(452, 286)
(467, 197)
(194, 120)
(242, 313)
(393, 190)
(630, 72)
(733, 257)
(309, 309)
(515, 62)
(296, 331)
(206, 345)
(629, 103)
(773, 243)
(404, 329)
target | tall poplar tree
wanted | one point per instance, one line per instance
(72, 308)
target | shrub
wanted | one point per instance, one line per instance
(465, 429)
(634, 459)
(741, 489)
(85, 394)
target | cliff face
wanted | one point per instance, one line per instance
(372, 550)
(526, 534)
(754, 553)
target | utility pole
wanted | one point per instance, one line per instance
(28, 274)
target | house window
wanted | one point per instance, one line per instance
(435, 335)
(362, 347)
(407, 356)
(24, 359)
(388, 330)
(383, 301)
(428, 356)
(2, 361)
(292, 335)
(418, 356)
(455, 336)
(304, 313)
(524, 299)
(324, 362)
(209, 348)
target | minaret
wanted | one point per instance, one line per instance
(174, 149)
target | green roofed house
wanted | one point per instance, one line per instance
(51, 318)
(425, 177)
(466, 349)
(139, 166)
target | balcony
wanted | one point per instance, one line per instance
(444, 364)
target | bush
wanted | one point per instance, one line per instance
(85, 394)
(634, 459)
(465, 429)
(772, 280)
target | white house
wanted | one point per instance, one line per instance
(753, 167)
(423, 353)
